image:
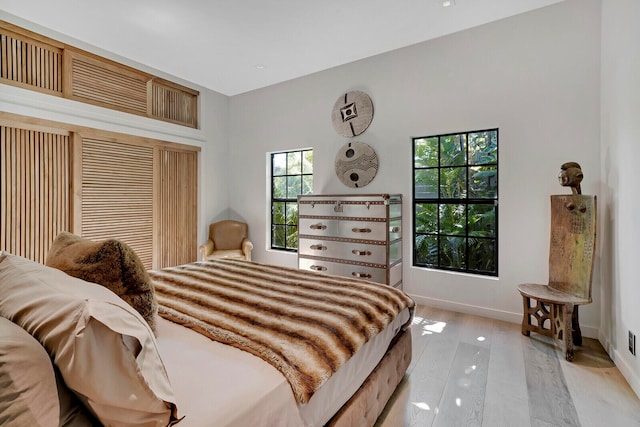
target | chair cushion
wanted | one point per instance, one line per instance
(110, 263)
(233, 254)
(228, 234)
(104, 349)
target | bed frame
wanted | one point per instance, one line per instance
(366, 405)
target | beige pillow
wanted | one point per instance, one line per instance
(72, 412)
(110, 263)
(31, 390)
(104, 349)
(28, 393)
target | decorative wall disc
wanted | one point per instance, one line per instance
(356, 164)
(352, 113)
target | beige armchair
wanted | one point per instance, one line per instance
(227, 239)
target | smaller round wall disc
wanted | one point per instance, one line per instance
(352, 113)
(356, 164)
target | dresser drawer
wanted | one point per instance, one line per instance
(395, 210)
(395, 252)
(352, 235)
(364, 230)
(340, 208)
(395, 276)
(352, 251)
(346, 270)
(395, 229)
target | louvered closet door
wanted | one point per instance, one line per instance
(34, 190)
(117, 194)
(177, 214)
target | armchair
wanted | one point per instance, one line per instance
(227, 239)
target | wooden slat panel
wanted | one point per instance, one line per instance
(173, 103)
(30, 60)
(117, 194)
(55, 177)
(34, 190)
(30, 63)
(106, 85)
(177, 202)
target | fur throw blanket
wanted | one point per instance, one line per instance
(303, 323)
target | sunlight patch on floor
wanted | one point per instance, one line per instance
(429, 326)
(421, 405)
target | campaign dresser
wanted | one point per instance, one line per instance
(352, 235)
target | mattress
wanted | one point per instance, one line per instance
(219, 385)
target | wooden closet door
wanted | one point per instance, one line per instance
(143, 195)
(177, 207)
(34, 190)
(99, 185)
(117, 194)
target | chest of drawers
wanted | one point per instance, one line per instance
(352, 235)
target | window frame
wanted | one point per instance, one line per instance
(288, 199)
(466, 201)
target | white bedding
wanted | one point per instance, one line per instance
(219, 385)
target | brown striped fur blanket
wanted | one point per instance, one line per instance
(305, 324)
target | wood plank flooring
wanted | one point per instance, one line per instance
(473, 371)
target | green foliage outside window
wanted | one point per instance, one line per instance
(291, 175)
(456, 201)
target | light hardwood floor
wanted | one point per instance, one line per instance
(473, 371)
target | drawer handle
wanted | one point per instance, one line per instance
(361, 253)
(318, 227)
(361, 230)
(361, 275)
(318, 247)
(318, 268)
(395, 229)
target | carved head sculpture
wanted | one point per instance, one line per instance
(571, 176)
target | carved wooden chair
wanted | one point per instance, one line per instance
(571, 256)
(227, 239)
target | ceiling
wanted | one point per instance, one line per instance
(235, 46)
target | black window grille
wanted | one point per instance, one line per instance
(291, 175)
(455, 202)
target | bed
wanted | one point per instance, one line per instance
(264, 392)
(192, 367)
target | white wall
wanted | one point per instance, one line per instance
(212, 136)
(535, 76)
(620, 152)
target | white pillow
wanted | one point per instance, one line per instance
(104, 349)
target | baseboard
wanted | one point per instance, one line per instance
(506, 316)
(469, 309)
(606, 344)
(626, 371)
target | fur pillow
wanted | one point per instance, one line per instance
(110, 263)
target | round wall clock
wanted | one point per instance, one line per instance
(352, 113)
(356, 164)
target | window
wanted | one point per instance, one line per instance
(291, 174)
(455, 202)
